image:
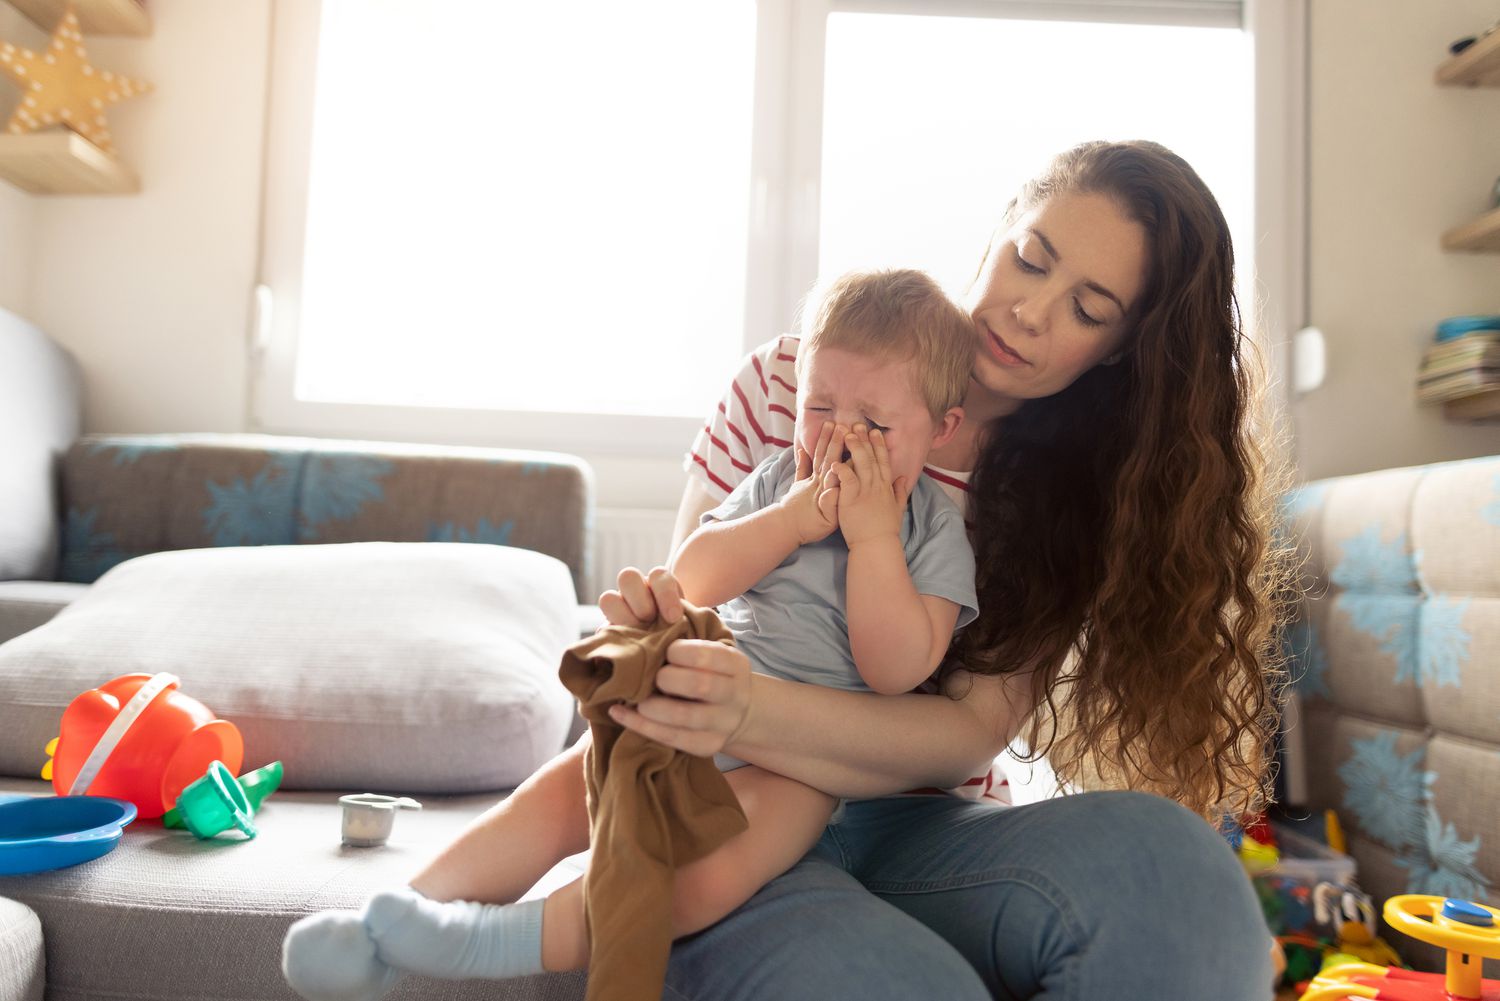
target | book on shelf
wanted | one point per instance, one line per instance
(1465, 383)
(1470, 344)
(1431, 369)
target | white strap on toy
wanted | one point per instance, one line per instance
(115, 732)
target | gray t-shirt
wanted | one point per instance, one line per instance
(791, 624)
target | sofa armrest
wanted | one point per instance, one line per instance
(39, 415)
(127, 495)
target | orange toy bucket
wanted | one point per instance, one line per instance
(138, 738)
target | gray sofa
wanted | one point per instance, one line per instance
(164, 915)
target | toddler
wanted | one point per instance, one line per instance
(835, 562)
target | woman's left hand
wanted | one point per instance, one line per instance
(703, 700)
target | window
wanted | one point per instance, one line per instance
(559, 225)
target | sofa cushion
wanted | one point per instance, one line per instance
(23, 965)
(129, 495)
(415, 667)
(166, 917)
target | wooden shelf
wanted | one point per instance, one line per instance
(95, 17)
(1482, 235)
(1482, 407)
(1476, 66)
(63, 163)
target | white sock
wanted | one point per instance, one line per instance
(457, 939)
(330, 957)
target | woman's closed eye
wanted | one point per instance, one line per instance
(1084, 317)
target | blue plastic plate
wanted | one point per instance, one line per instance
(53, 832)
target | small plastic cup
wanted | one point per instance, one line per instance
(369, 817)
(215, 803)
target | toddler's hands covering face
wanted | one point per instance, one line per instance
(870, 505)
(812, 502)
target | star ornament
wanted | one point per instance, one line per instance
(60, 87)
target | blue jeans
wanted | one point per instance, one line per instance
(1107, 895)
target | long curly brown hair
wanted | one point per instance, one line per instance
(1125, 531)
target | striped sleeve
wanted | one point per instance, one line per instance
(756, 417)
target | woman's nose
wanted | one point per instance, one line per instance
(1031, 314)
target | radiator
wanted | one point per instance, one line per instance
(628, 537)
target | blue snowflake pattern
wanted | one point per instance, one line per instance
(1444, 647)
(258, 513)
(484, 532)
(87, 554)
(1386, 791)
(1491, 511)
(335, 488)
(1368, 564)
(1296, 503)
(1309, 672)
(1444, 866)
(129, 452)
(1390, 618)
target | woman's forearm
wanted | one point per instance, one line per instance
(859, 745)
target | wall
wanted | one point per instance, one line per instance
(1394, 161)
(17, 209)
(150, 291)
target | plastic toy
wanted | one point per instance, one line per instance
(369, 817)
(214, 803)
(1351, 914)
(52, 832)
(138, 738)
(1466, 929)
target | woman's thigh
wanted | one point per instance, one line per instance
(815, 934)
(1108, 894)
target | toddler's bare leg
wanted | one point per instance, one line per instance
(505, 850)
(786, 819)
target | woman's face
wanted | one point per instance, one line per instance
(1051, 300)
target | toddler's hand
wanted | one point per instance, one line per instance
(870, 505)
(812, 502)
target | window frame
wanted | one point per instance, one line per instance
(783, 206)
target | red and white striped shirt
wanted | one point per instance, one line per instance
(757, 417)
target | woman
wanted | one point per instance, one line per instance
(1125, 585)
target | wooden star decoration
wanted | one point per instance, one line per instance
(60, 87)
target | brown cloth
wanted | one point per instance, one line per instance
(652, 807)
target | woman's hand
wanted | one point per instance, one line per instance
(639, 599)
(703, 699)
(704, 687)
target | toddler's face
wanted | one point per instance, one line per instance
(848, 389)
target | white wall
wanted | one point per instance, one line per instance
(150, 291)
(1394, 161)
(17, 209)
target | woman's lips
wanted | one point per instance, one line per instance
(1002, 351)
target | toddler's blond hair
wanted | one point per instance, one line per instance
(895, 315)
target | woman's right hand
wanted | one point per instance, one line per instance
(703, 690)
(638, 599)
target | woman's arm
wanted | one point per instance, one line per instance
(850, 744)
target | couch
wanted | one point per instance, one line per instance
(1397, 670)
(165, 915)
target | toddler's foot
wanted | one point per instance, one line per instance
(457, 939)
(330, 957)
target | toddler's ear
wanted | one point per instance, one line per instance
(945, 429)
